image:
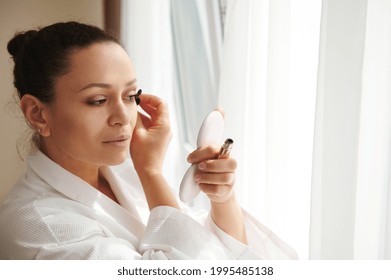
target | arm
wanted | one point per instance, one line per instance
(216, 179)
(150, 139)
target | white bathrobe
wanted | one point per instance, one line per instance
(53, 214)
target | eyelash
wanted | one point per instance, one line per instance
(132, 98)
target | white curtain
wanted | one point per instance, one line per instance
(306, 89)
(197, 37)
(146, 33)
(351, 205)
(175, 46)
(263, 73)
(268, 88)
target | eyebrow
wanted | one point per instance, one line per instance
(104, 85)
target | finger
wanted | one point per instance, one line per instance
(218, 165)
(221, 110)
(151, 100)
(143, 121)
(153, 105)
(203, 153)
(156, 108)
(215, 178)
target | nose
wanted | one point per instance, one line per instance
(119, 114)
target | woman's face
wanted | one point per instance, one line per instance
(94, 113)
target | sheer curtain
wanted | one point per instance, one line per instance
(197, 37)
(146, 33)
(306, 89)
(268, 88)
(175, 46)
(263, 73)
(350, 210)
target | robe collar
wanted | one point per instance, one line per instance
(79, 190)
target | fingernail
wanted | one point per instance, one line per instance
(197, 177)
(202, 166)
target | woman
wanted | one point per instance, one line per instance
(78, 91)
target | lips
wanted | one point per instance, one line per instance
(118, 139)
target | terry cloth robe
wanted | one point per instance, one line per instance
(53, 214)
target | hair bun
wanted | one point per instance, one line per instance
(15, 45)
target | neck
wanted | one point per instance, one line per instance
(87, 172)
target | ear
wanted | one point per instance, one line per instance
(33, 110)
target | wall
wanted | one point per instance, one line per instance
(20, 15)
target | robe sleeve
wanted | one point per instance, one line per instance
(172, 234)
(93, 248)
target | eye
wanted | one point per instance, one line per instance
(134, 97)
(131, 97)
(98, 102)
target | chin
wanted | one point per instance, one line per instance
(118, 159)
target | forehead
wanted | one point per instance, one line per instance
(99, 63)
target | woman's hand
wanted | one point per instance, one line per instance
(215, 177)
(148, 147)
(151, 135)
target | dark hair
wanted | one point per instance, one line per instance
(42, 55)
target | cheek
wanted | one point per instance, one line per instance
(76, 122)
(133, 119)
(70, 124)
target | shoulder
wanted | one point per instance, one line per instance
(30, 220)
